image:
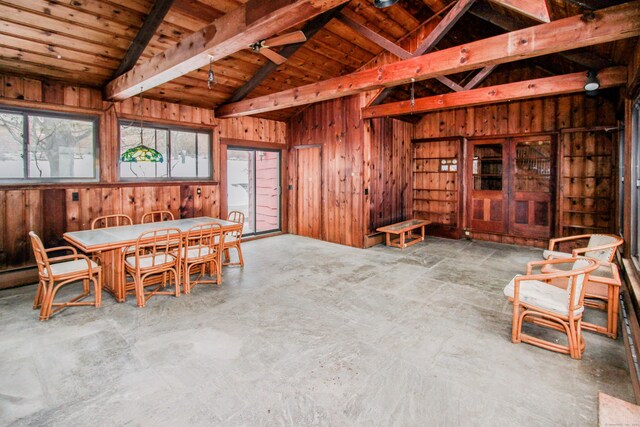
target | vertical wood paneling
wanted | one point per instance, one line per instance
(51, 210)
(544, 115)
(335, 126)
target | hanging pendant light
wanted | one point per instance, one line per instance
(141, 153)
(211, 78)
(381, 4)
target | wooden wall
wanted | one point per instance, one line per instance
(547, 115)
(389, 164)
(50, 210)
(335, 126)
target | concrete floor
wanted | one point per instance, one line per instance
(309, 333)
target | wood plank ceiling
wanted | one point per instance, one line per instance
(85, 41)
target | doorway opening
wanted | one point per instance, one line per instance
(253, 188)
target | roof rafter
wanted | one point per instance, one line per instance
(309, 30)
(614, 23)
(254, 20)
(139, 44)
(547, 86)
(582, 58)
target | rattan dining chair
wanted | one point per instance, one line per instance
(538, 301)
(107, 221)
(54, 273)
(154, 259)
(157, 216)
(202, 247)
(233, 239)
(603, 288)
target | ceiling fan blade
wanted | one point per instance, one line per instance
(272, 56)
(295, 37)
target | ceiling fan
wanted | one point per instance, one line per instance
(263, 46)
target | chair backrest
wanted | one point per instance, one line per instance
(577, 275)
(236, 216)
(42, 260)
(607, 253)
(107, 221)
(203, 239)
(157, 216)
(152, 245)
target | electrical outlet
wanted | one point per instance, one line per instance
(199, 191)
(75, 196)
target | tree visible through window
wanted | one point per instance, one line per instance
(38, 146)
(186, 153)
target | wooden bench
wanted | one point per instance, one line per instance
(404, 232)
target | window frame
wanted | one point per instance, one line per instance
(634, 175)
(169, 128)
(25, 112)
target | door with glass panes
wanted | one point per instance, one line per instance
(253, 188)
(510, 186)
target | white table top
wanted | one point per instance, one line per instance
(114, 237)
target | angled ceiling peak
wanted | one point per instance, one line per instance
(255, 20)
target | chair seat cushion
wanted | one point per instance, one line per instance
(543, 295)
(147, 261)
(194, 252)
(70, 267)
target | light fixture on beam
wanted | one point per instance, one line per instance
(141, 153)
(381, 4)
(592, 83)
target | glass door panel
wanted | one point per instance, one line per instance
(253, 188)
(239, 185)
(487, 167)
(267, 191)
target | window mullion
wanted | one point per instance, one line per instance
(25, 145)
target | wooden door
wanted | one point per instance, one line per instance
(309, 192)
(531, 186)
(487, 186)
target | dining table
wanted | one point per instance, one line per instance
(110, 243)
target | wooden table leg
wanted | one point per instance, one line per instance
(112, 273)
(422, 232)
(388, 238)
(402, 244)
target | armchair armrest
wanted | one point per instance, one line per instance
(545, 262)
(552, 242)
(62, 248)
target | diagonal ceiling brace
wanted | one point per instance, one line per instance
(139, 44)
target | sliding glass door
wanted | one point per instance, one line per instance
(253, 188)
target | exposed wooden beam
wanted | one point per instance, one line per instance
(431, 41)
(534, 9)
(508, 23)
(371, 35)
(309, 30)
(615, 23)
(548, 86)
(479, 78)
(139, 44)
(444, 26)
(449, 83)
(633, 87)
(253, 21)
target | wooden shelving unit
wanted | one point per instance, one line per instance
(588, 182)
(437, 179)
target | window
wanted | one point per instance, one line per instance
(41, 146)
(186, 153)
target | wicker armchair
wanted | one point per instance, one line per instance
(54, 273)
(536, 300)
